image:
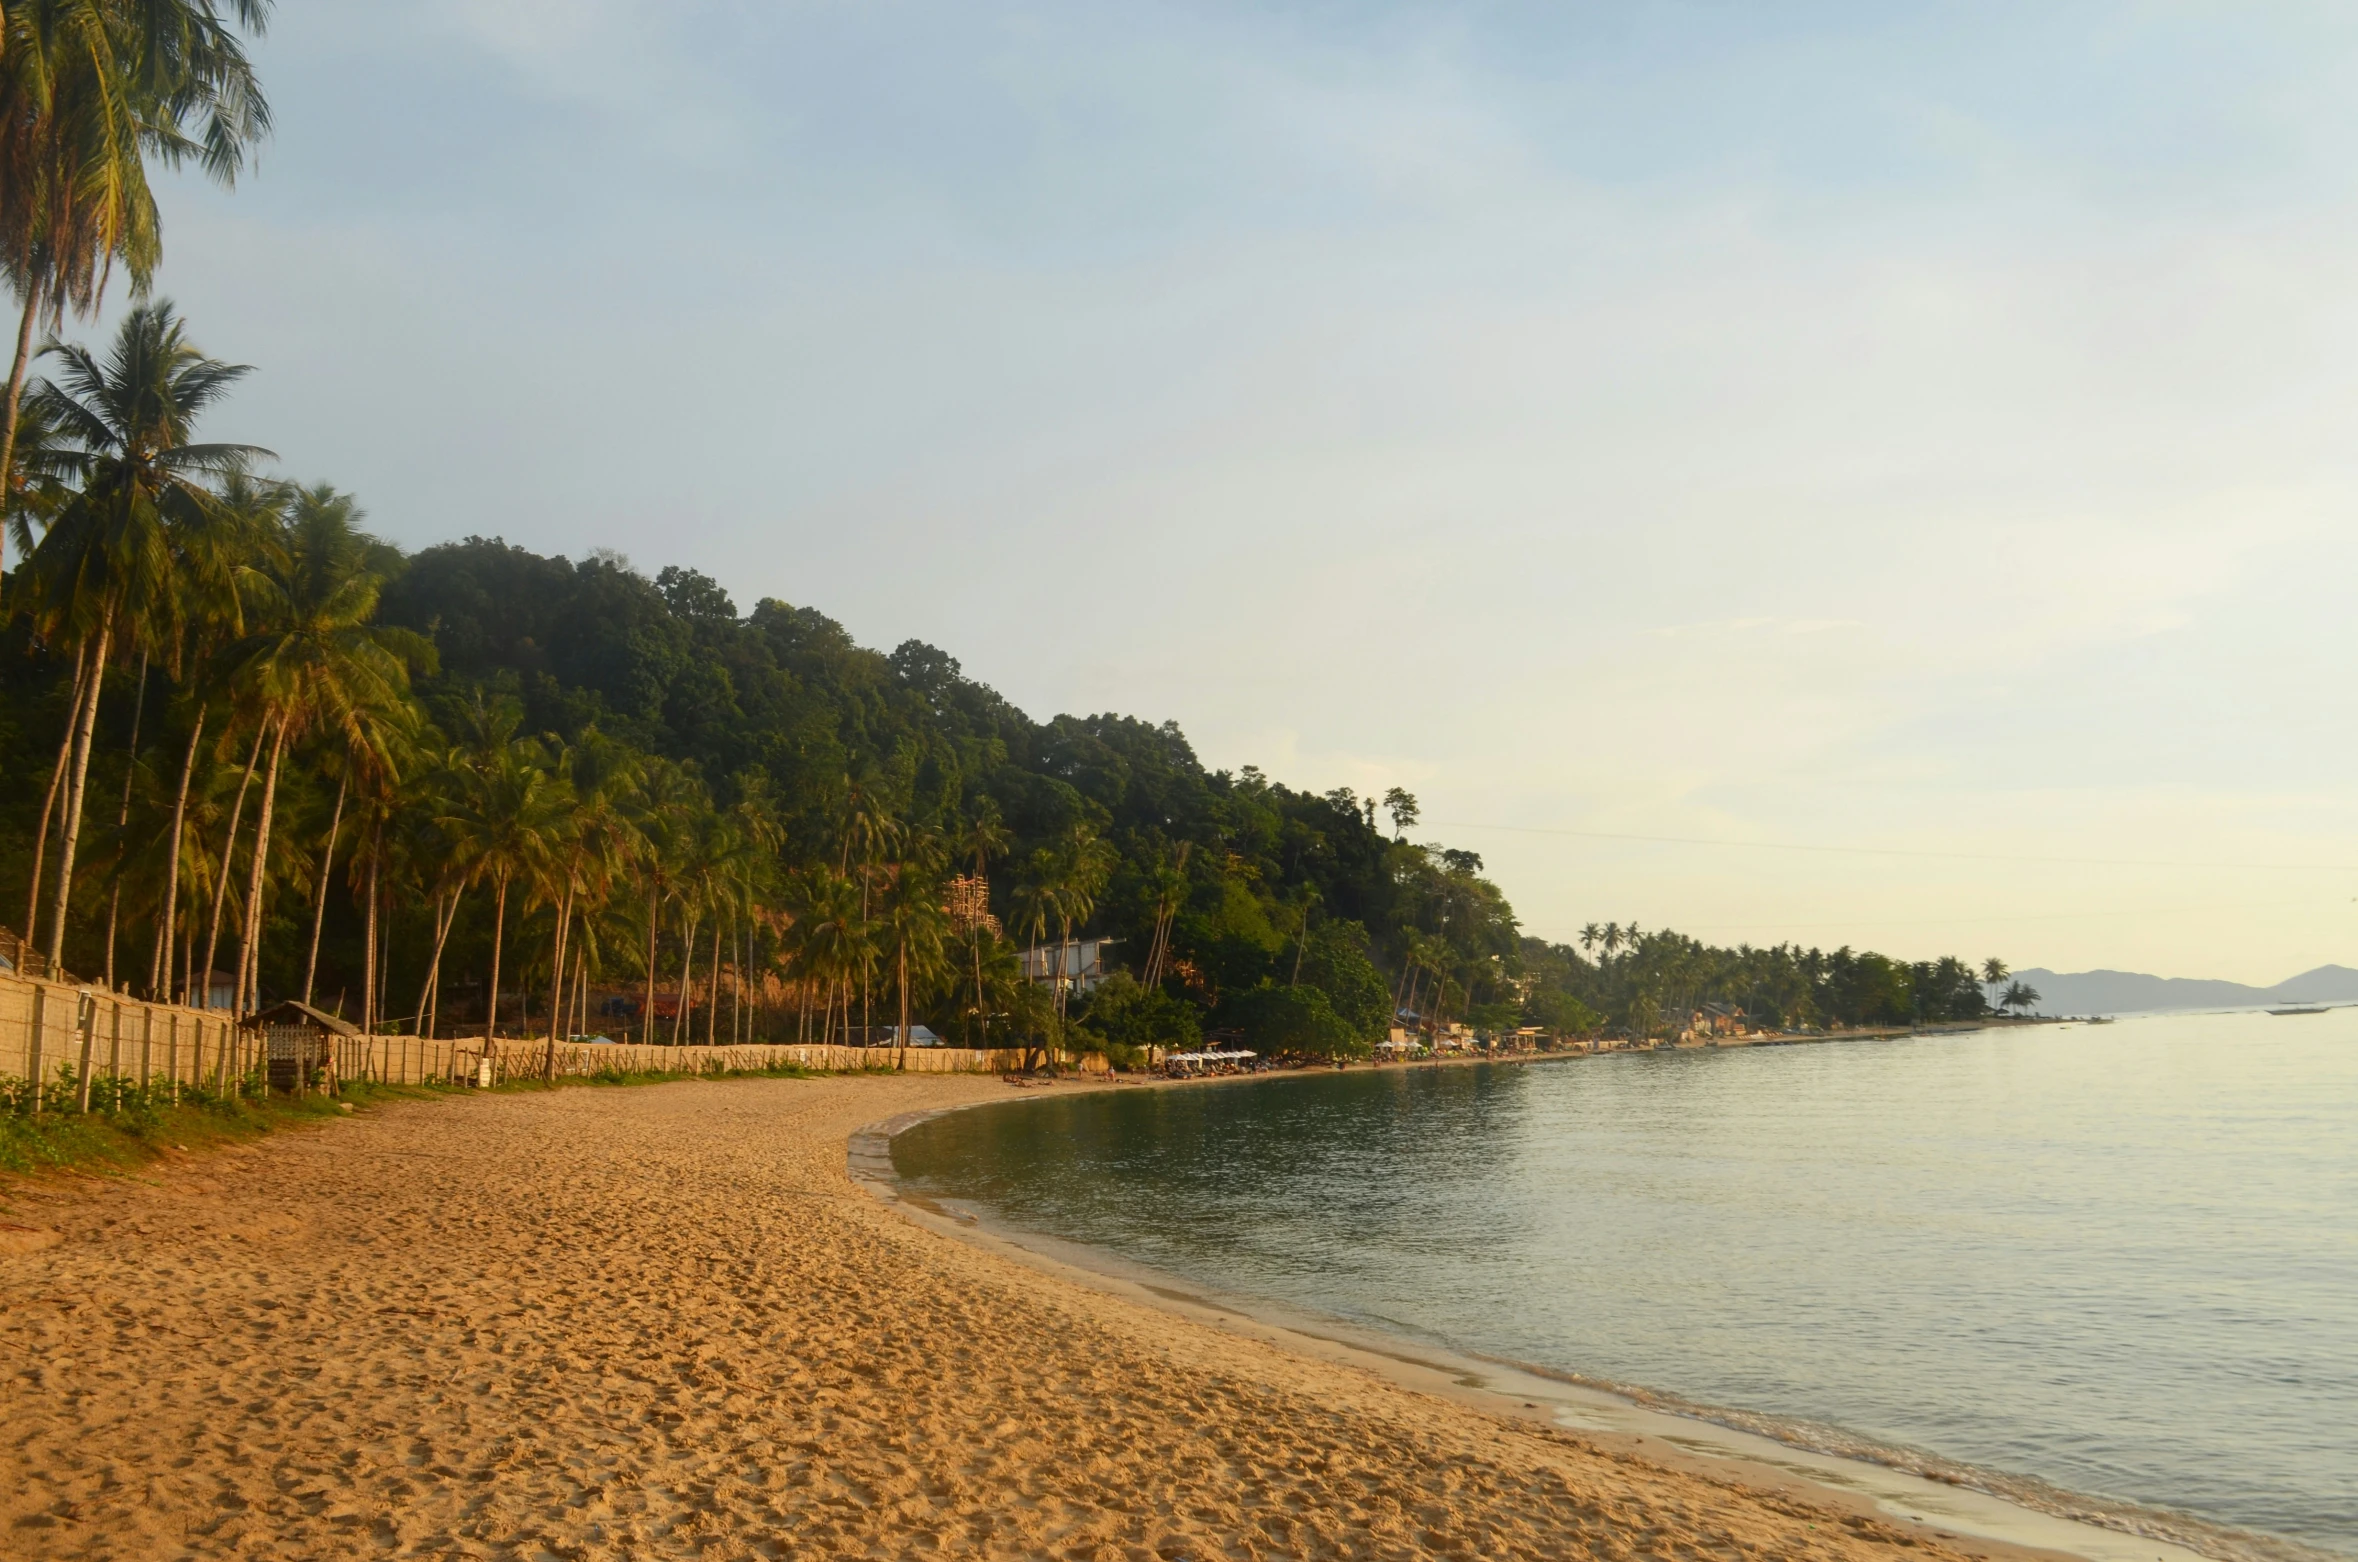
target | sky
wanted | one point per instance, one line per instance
(1870, 473)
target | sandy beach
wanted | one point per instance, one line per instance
(665, 1322)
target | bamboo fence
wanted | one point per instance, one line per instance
(63, 1033)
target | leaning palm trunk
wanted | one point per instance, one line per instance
(681, 1033)
(78, 782)
(368, 942)
(114, 899)
(249, 955)
(159, 974)
(900, 1054)
(57, 773)
(221, 874)
(499, 928)
(557, 964)
(327, 863)
(647, 1006)
(35, 297)
(712, 1010)
(430, 994)
(982, 1013)
(548, 1068)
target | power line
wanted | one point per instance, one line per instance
(1897, 851)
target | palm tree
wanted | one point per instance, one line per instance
(1032, 911)
(868, 831)
(89, 90)
(913, 923)
(315, 658)
(233, 536)
(1170, 895)
(832, 938)
(498, 815)
(592, 840)
(1994, 971)
(105, 566)
(983, 838)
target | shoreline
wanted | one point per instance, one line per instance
(1941, 1497)
(653, 1322)
(664, 1323)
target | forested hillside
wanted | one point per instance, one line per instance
(711, 821)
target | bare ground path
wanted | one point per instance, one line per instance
(662, 1322)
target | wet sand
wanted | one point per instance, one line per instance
(665, 1322)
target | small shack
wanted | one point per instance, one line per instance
(299, 1044)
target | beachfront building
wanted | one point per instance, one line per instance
(1079, 962)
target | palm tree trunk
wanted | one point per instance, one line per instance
(114, 899)
(9, 414)
(647, 1006)
(430, 992)
(557, 963)
(499, 926)
(65, 754)
(221, 877)
(368, 942)
(327, 863)
(900, 1056)
(548, 1067)
(159, 980)
(712, 1011)
(681, 1031)
(250, 953)
(384, 901)
(78, 780)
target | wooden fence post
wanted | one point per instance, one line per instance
(172, 1057)
(147, 1045)
(89, 1016)
(40, 1022)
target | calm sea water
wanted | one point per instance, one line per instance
(2122, 1259)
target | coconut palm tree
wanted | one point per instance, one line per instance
(868, 831)
(105, 566)
(230, 539)
(590, 847)
(912, 924)
(502, 807)
(1032, 911)
(316, 659)
(90, 90)
(1170, 895)
(832, 939)
(1082, 868)
(1994, 972)
(983, 838)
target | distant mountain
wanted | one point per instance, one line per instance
(2130, 992)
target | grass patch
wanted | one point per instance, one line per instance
(659, 1076)
(129, 1127)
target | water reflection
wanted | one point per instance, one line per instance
(2125, 1259)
